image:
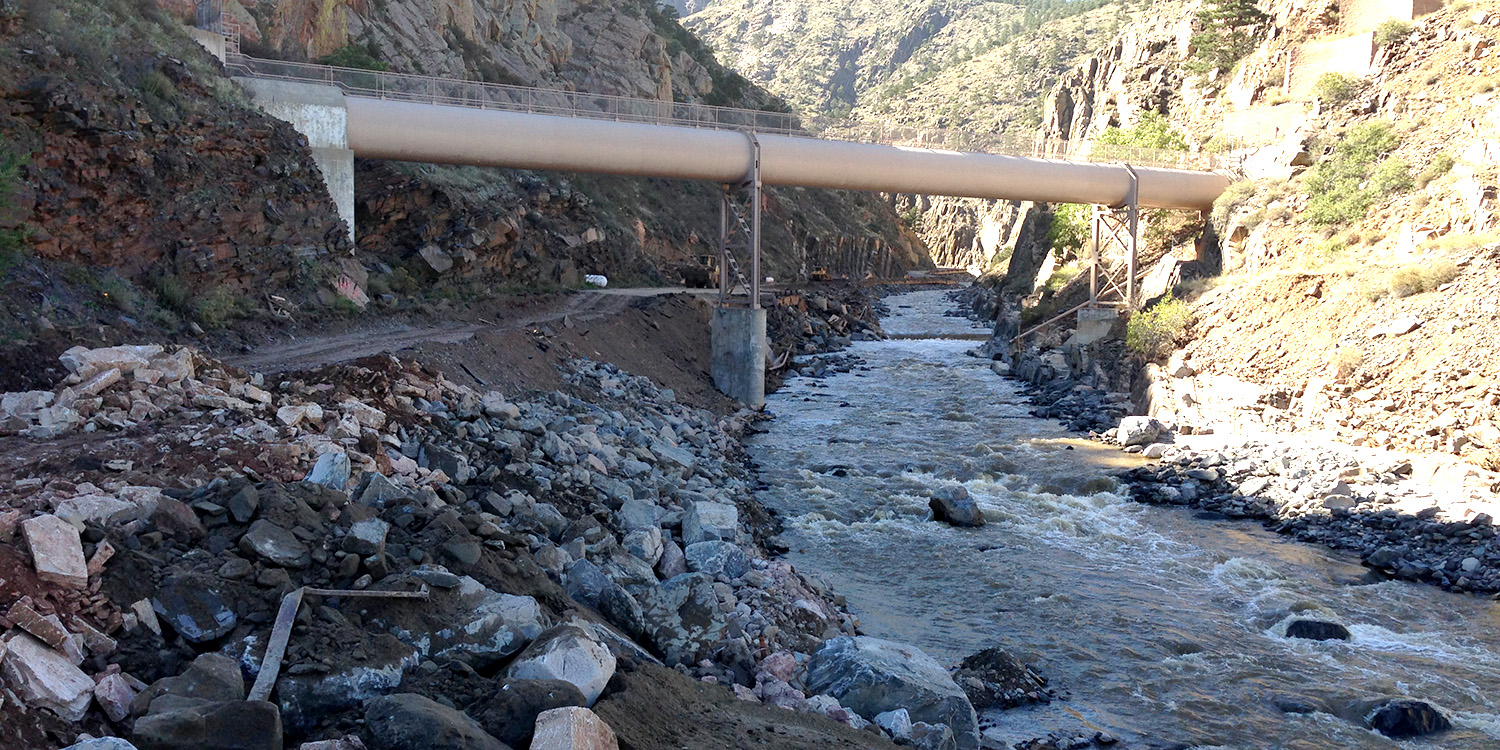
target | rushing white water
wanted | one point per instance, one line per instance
(1157, 623)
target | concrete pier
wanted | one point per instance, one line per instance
(739, 354)
(320, 113)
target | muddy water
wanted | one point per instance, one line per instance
(1156, 623)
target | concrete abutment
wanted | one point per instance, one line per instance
(738, 361)
(321, 115)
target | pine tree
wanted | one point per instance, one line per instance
(1228, 34)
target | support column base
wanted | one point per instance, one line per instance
(738, 361)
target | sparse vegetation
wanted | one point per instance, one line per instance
(1060, 277)
(1350, 358)
(12, 239)
(172, 293)
(1441, 164)
(1337, 90)
(220, 308)
(361, 56)
(1391, 30)
(158, 86)
(1154, 332)
(1361, 171)
(1417, 279)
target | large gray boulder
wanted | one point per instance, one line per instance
(717, 559)
(710, 521)
(954, 506)
(684, 618)
(408, 721)
(872, 676)
(570, 654)
(1139, 431)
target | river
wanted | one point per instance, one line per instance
(1155, 622)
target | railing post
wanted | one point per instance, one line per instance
(1133, 218)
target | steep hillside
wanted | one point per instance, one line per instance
(548, 228)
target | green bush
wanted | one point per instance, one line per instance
(1153, 333)
(361, 56)
(1069, 231)
(220, 308)
(1441, 164)
(1338, 90)
(1390, 31)
(1344, 186)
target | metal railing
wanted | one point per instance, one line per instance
(481, 95)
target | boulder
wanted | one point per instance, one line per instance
(872, 676)
(470, 619)
(307, 699)
(45, 678)
(1406, 717)
(567, 653)
(645, 544)
(366, 538)
(1139, 431)
(102, 743)
(56, 551)
(684, 618)
(407, 721)
(639, 514)
(572, 728)
(1317, 630)
(275, 545)
(211, 678)
(717, 559)
(710, 521)
(926, 736)
(193, 609)
(672, 561)
(953, 505)
(993, 678)
(896, 723)
(235, 725)
(85, 362)
(509, 713)
(331, 470)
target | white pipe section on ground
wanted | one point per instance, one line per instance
(406, 131)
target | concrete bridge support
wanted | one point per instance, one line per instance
(738, 362)
(321, 114)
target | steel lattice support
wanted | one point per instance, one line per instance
(1116, 231)
(739, 232)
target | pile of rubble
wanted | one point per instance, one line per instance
(408, 559)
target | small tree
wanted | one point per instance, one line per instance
(1228, 34)
(1153, 131)
(1338, 90)
(1069, 231)
(1154, 332)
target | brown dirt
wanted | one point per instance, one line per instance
(655, 708)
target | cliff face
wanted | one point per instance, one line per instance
(553, 228)
(146, 185)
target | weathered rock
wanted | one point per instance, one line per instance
(1317, 630)
(672, 561)
(45, 678)
(954, 506)
(1405, 717)
(896, 723)
(102, 743)
(275, 545)
(994, 678)
(717, 559)
(85, 362)
(407, 721)
(572, 728)
(56, 551)
(192, 608)
(211, 678)
(684, 618)
(1139, 431)
(114, 695)
(244, 503)
(570, 654)
(236, 725)
(366, 537)
(872, 676)
(622, 610)
(925, 736)
(331, 470)
(645, 544)
(108, 510)
(709, 521)
(510, 712)
(307, 699)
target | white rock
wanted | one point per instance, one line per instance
(293, 416)
(572, 728)
(84, 361)
(56, 551)
(1139, 431)
(46, 679)
(366, 415)
(114, 695)
(709, 521)
(567, 653)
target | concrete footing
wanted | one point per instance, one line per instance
(739, 354)
(319, 113)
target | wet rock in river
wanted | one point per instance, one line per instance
(1317, 630)
(954, 506)
(1405, 717)
(994, 678)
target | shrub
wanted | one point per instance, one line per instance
(1153, 131)
(1062, 276)
(1233, 197)
(1405, 282)
(1069, 231)
(361, 56)
(1349, 360)
(1360, 172)
(172, 293)
(1338, 90)
(1390, 31)
(157, 85)
(1441, 164)
(1153, 333)
(220, 308)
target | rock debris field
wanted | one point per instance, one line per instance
(371, 555)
